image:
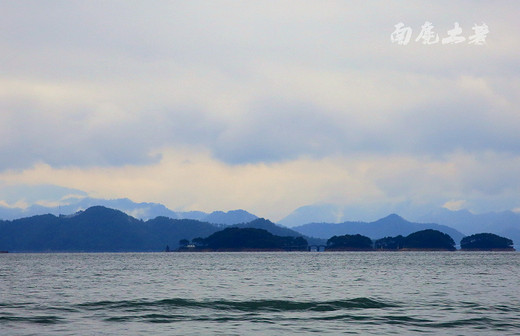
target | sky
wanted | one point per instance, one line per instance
(265, 106)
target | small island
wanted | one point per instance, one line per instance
(245, 239)
(235, 239)
(429, 240)
(347, 242)
(425, 240)
(486, 242)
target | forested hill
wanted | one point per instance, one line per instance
(97, 229)
(100, 229)
(279, 230)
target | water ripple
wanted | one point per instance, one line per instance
(248, 306)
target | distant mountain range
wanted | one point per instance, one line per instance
(389, 226)
(334, 213)
(469, 223)
(100, 229)
(504, 223)
(320, 221)
(143, 211)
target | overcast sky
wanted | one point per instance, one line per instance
(265, 106)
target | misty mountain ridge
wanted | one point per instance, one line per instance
(463, 219)
(503, 223)
(101, 229)
(470, 223)
(278, 230)
(389, 226)
(144, 210)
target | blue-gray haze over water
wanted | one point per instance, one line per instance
(367, 293)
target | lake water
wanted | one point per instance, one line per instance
(367, 293)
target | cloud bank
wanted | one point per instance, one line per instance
(273, 91)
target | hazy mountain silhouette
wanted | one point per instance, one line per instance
(279, 230)
(333, 213)
(97, 229)
(230, 217)
(142, 210)
(101, 229)
(462, 220)
(469, 223)
(391, 225)
(319, 213)
(504, 223)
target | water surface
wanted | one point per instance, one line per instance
(367, 293)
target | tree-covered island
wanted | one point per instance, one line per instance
(246, 239)
(486, 242)
(389, 243)
(425, 240)
(252, 239)
(347, 242)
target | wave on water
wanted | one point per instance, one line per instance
(178, 309)
(220, 310)
(363, 312)
(243, 306)
(44, 319)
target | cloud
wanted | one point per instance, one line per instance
(474, 116)
(262, 89)
(455, 205)
(85, 133)
(188, 180)
(22, 195)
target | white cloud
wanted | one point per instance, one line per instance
(454, 205)
(288, 96)
(193, 180)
